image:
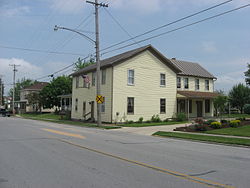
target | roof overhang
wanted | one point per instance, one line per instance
(196, 95)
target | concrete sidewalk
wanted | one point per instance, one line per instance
(150, 130)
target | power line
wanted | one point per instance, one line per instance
(168, 24)
(178, 28)
(40, 51)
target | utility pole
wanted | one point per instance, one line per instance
(1, 91)
(14, 84)
(97, 46)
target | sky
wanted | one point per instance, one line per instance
(221, 45)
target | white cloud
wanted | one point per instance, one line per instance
(209, 46)
(9, 11)
(66, 6)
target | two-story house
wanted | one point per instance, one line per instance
(142, 83)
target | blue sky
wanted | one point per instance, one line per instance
(221, 45)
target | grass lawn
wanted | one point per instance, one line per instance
(236, 115)
(56, 119)
(239, 131)
(151, 124)
(215, 139)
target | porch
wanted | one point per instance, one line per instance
(196, 104)
(66, 102)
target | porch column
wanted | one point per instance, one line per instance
(203, 108)
(61, 103)
(187, 108)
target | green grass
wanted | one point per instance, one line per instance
(151, 124)
(236, 115)
(239, 131)
(214, 139)
(56, 119)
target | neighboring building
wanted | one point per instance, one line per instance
(66, 102)
(23, 104)
(143, 83)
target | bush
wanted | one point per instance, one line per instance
(140, 120)
(234, 123)
(215, 125)
(247, 108)
(200, 127)
(181, 117)
(208, 122)
(223, 121)
(155, 118)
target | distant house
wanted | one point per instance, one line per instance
(23, 104)
(143, 83)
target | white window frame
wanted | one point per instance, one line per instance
(133, 105)
(197, 84)
(103, 106)
(178, 82)
(161, 105)
(131, 77)
(207, 85)
(103, 76)
(186, 83)
(162, 79)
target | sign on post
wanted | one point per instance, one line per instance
(99, 99)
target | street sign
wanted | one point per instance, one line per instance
(99, 99)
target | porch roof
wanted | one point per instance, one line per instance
(196, 94)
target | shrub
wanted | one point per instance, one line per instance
(155, 118)
(200, 127)
(199, 121)
(234, 123)
(223, 121)
(215, 125)
(140, 120)
(208, 122)
(247, 108)
(181, 117)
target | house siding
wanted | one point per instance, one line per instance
(89, 94)
(146, 90)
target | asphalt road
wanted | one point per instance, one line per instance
(47, 155)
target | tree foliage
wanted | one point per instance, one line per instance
(239, 96)
(59, 86)
(80, 63)
(247, 74)
(20, 84)
(220, 104)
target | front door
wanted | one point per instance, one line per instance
(199, 108)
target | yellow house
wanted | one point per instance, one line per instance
(142, 83)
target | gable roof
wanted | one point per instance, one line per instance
(125, 56)
(37, 86)
(191, 69)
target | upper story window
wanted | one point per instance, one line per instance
(77, 82)
(93, 78)
(103, 76)
(207, 85)
(186, 85)
(131, 77)
(162, 106)
(178, 82)
(162, 79)
(130, 105)
(197, 84)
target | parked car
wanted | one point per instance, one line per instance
(4, 113)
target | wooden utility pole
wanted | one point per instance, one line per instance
(14, 84)
(1, 91)
(98, 66)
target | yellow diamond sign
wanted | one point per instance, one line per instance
(99, 99)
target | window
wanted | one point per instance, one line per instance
(207, 106)
(77, 82)
(93, 78)
(178, 82)
(103, 105)
(103, 76)
(131, 75)
(197, 84)
(186, 86)
(207, 85)
(163, 106)
(76, 104)
(190, 106)
(130, 105)
(162, 79)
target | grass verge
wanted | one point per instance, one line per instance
(214, 139)
(151, 124)
(239, 131)
(56, 119)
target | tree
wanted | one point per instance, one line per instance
(247, 74)
(35, 100)
(239, 96)
(20, 84)
(59, 86)
(80, 63)
(220, 104)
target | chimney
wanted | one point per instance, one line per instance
(173, 58)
